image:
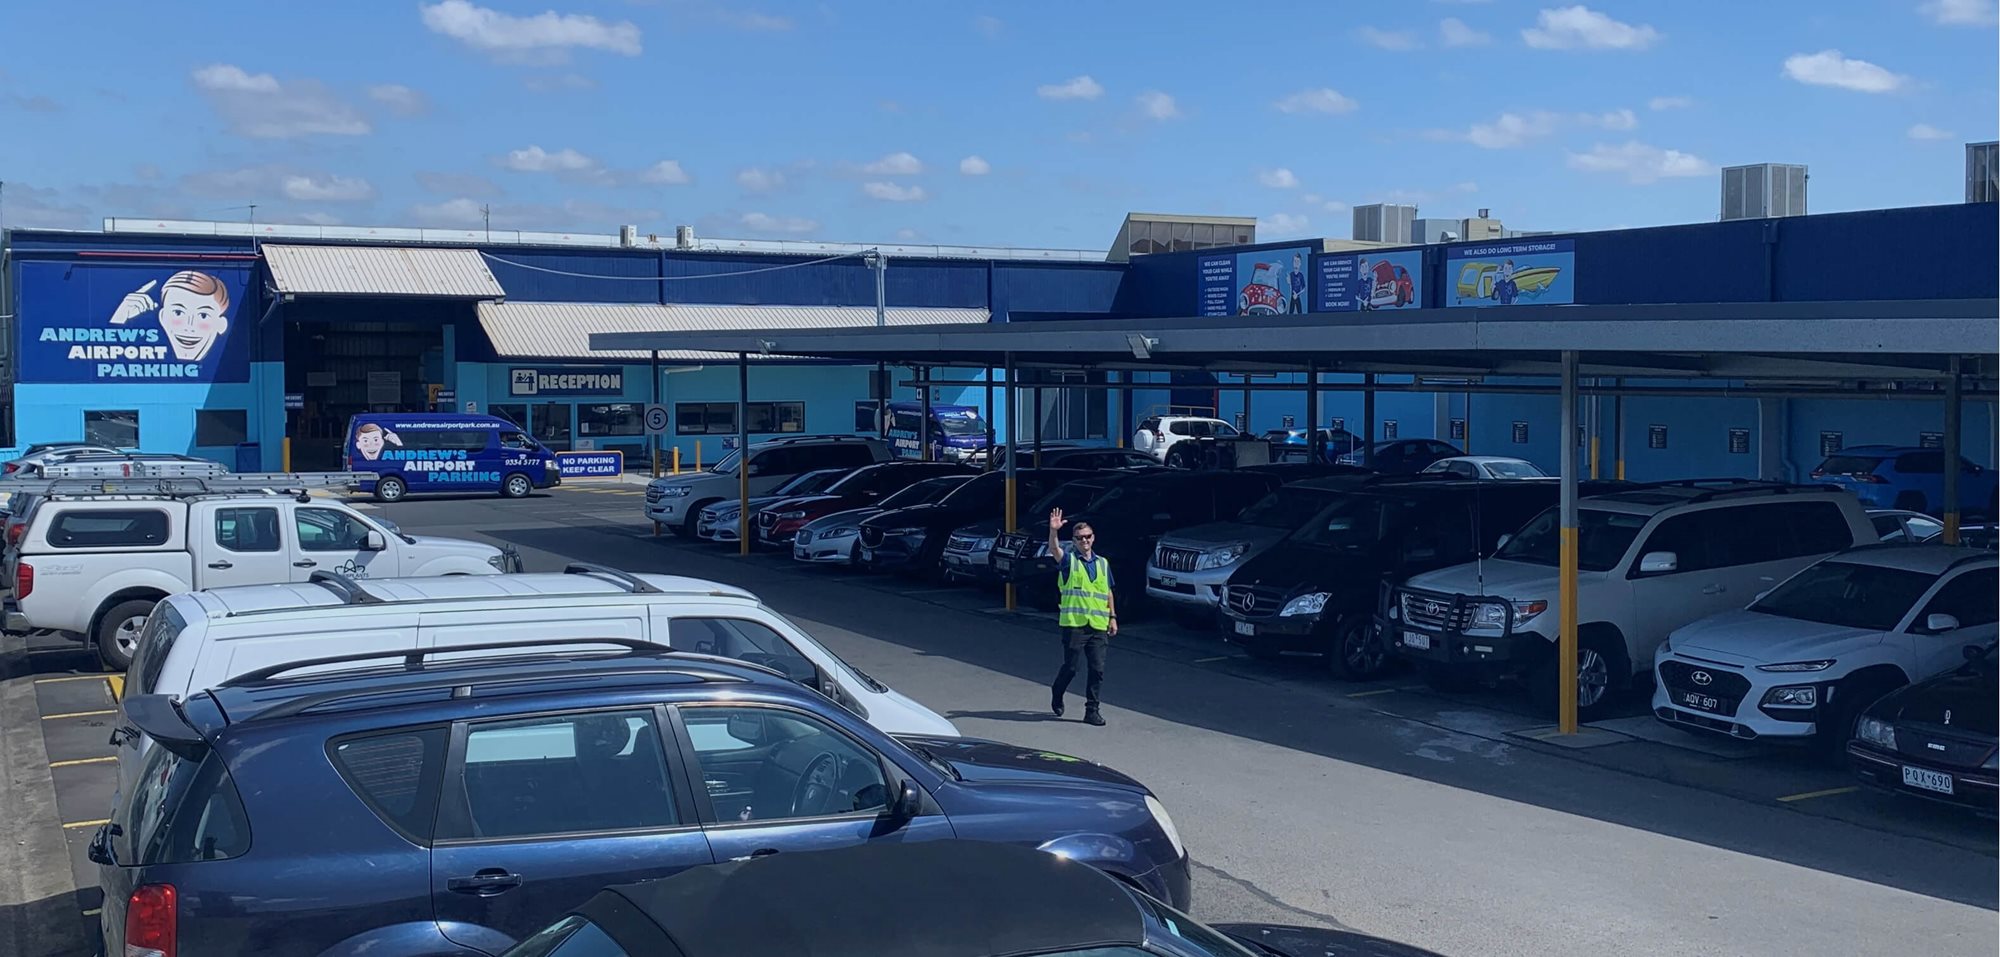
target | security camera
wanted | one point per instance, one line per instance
(1142, 346)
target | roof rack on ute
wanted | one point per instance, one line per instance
(281, 483)
(632, 583)
(349, 590)
(413, 658)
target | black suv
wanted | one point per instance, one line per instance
(913, 539)
(1317, 589)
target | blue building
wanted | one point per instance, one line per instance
(255, 349)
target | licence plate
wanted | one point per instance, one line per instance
(950, 559)
(1246, 628)
(1699, 702)
(1928, 780)
(1168, 581)
(1417, 640)
(1003, 565)
(867, 554)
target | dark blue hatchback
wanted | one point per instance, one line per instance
(452, 807)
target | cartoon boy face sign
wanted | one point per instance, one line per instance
(193, 311)
(370, 439)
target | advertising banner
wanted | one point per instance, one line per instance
(1351, 282)
(566, 381)
(1267, 282)
(134, 322)
(1522, 273)
(591, 464)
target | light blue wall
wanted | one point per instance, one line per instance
(54, 413)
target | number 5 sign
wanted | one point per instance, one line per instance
(656, 420)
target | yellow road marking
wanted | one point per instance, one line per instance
(77, 714)
(1364, 694)
(117, 683)
(50, 681)
(76, 761)
(1809, 795)
(81, 824)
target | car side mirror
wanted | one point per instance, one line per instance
(1937, 623)
(1659, 563)
(1502, 543)
(908, 804)
(746, 728)
(375, 542)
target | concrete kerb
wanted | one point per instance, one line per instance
(37, 889)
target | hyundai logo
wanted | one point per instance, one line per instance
(1245, 600)
(1702, 678)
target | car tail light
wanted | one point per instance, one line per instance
(13, 467)
(14, 532)
(151, 921)
(24, 580)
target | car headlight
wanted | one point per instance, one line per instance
(1820, 665)
(1220, 557)
(675, 491)
(838, 531)
(1792, 696)
(1305, 604)
(1877, 732)
(1166, 824)
(791, 516)
(1493, 615)
(983, 545)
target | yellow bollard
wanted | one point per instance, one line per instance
(677, 460)
(285, 454)
(697, 455)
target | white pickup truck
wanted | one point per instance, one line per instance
(93, 565)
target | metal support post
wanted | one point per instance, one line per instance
(1566, 562)
(1247, 426)
(655, 441)
(742, 453)
(1315, 449)
(1595, 425)
(989, 421)
(1953, 403)
(1618, 431)
(1037, 393)
(924, 426)
(1368, 421)
(1013, 449)
(1124, 407)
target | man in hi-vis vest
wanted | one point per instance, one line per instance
(1086, 612)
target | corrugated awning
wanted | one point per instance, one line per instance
(562, 330)
(389, 271)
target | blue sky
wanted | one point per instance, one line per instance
(1023, 123)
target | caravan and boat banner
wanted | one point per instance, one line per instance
(135, 322)
(1527, 272)
(1265, 282)
(1350, 282)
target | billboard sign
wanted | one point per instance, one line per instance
(1265, 282)
(1529, 272)
(1351, 282)
(134, 322)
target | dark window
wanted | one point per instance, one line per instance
(845, 455)
(163, 628)
(115, 429)
(601, 771)
(1773, 531)
(515, 440)
(1973, 598)
(611, 418)
(247, 529)
(1921, 463)
(744, 641)
(1889, 528)
(1687, 537)
(328, 530)
(180, 812)
(1847, 594)
(1440, 532)
(713, 418)
(396, 774)
(754, 758)
(101, 529)
(460, 440)
(551, 425)
(514, 412)
(1602, 538)
(221, 426)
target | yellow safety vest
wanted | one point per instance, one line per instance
(1086, 602)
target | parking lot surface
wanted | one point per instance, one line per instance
(1458, 823)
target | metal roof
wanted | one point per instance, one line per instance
(400, 271)
(1889, 340)
(563, 330)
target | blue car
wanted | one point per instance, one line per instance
(1907, 477)
(454, 806)
(1334, 443)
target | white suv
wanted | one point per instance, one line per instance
(676, 501)
(1650, 559)
(1807, 656)
(1158, 433)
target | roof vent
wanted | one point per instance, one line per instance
(628, 236)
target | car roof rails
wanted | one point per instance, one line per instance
(346, 587)
(413, 658)
(631, 582)
(284, 483)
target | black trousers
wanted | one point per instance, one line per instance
(1088, 644)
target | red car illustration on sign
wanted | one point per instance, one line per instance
(1260, 296)
(1393, 288)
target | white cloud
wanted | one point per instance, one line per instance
(1581, 28)
(1639, 162)
(534, 159)
(1322, 100)
(1669, 103)
(400, 99)
(1961, 13)
(665, 173)
(327, 189)
(1829, 68)
(988, 25)
(789, 225)
(1280, 178)
(754, 179)
(1310, 199)
(458, 184)
(895, 164)
(1614, 120)
(1074, 88)
(752, 20)
(1158, 105)
(557, 83)
(893, 193)
(451, 212)
(1387, 39)
(1510, 130)
(258, 106)
(1334, 206)
(1456, 33)
(1281, 225)
(1925, 131)
(1466, 187)
(43, 206)
(545, 37)
(464, 213)
(906, 234)
(974, 166)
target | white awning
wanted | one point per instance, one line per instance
(562, 330)
(390, 271)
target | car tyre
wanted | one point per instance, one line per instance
(1602, 678)
(517, 485)
(1358, 652)
(118, 632)
(389, 488)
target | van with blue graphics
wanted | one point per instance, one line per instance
(956, 431)
(416, 452)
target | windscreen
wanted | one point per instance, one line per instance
(1849, 464)
(924, 492)
(1355, 522)
(1602, 538)
(728, 464)
(1069, 496)
(1286, 508)
(1514, 470)
(961, 423)
(812, 483)
(1847, 594)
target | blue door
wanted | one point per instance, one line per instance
(778, 779)
(540, 813)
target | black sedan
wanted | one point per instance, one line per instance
(1936, 739)
(913, 539)
(930, 899)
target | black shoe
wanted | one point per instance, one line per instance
(1055, 705)
(1092, 717)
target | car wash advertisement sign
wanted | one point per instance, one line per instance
(135, 322)
(1528, 272)
(1362, 282)
(1265, 282)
